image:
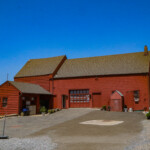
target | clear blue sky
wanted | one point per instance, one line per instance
(78, 28)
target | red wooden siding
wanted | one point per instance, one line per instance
(43, 81)
(105, 85)
(97, 100)
(7, 90)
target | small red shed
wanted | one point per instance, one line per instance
(116, 101)
(14, 96)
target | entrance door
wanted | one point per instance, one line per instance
(63, 101)
(116, 105)
(97, 100)
(44, 101)
(116, 101)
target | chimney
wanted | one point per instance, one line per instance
(145, 50)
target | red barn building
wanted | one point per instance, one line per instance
(82, 82)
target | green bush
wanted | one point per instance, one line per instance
(52, 111)
(43, 109)
(49, 111)
(148, 115)
(22, 114)
(104, 107)
(108, 108)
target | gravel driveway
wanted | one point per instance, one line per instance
(19, 128)
(23, 126)
(75, 136)
(63, 131)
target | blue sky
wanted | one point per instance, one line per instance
(78, 28)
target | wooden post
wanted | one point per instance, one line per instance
(38, 104)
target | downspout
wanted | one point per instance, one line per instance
(51, 90)
(49, 85)
(52, 85)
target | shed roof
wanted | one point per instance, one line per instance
(36, 67)
(131, 63)
(119, 93)
(29, 88)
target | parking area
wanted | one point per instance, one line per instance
(66, 130)
(20, 127)
(74, 135)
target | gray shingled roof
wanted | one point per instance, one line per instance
(132, 63)
(44, 66)
(29, 88)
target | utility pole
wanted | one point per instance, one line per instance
(3, 136)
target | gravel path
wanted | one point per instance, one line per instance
(38, 143)
(64, 128)
(19, 128)
(74, 135)
(142, 142)
(24, 126)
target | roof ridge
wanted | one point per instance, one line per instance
(24, 82)
(47, 57)
(38, 67)
(128, 63)
(106, 55)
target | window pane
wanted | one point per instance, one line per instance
(136, 94)
(71, 92)
(4, 104)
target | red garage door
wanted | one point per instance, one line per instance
(79, 98)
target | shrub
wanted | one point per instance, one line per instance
(49, 111)
(104, 107)
(148, 115)
(108, 108)
(52, 111)
(22, 114)
(43, 109)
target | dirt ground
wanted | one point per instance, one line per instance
(64, 129)
(72, 135)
